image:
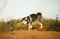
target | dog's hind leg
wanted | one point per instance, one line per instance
(41, 26)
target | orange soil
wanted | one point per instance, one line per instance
(33, 34)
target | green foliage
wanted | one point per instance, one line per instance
(51, 24)
(16, 24)
(35, 24)
(4, 26)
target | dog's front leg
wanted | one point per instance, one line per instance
(29, 26)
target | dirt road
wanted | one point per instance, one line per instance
(33, 34)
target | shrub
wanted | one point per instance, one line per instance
(51, 24)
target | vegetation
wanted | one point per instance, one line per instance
(51, 24)
(16, 24)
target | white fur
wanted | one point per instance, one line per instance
(24, 22)
(41, 25)
(29, 26)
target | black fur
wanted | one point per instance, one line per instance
(34, 17)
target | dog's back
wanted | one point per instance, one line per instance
(36, 16)
(31, 18)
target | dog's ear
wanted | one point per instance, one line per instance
(38, 13)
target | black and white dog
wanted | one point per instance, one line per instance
(31, 18)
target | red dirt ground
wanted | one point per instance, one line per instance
(33, 34)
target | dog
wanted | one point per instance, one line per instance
(31, 18)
